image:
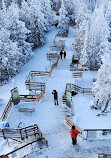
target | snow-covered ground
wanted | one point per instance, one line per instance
(51, 118)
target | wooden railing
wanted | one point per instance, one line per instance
(23, 98)
(37, 86)
(52, 56)
(63, 34)
(22, 134)
(79, 89)
(97, 134)
(31, 98)
(75, 89)
(92, 67)
(59, 43)
(39, 73)
(77, 74)
(78, 67)
(44, 73)
(7, 110)
(55, 48)
(104, 155)
(71, 123)
(22, 151)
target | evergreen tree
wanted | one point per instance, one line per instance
(63, 20)
(45, 6)
(9, 56)
(18, 32)
(102, 87)
(97, 34)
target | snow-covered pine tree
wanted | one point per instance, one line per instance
(102, 87)
(18, 32)
(97, 34)
(56, 4)
(45, 6)
(102, 93)
(24, 13)
(70, 8)
(8, 56)
(81, 36)
(63, 20)
(34, 21)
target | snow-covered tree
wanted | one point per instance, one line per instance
(18, 32)
(34, 20)
(102, 87)
(63, 20)
(97, 34)
(9, 63)
(56, 4)
(81, 35)
(45, 6)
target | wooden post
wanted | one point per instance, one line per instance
(3, 133)
(21, 134)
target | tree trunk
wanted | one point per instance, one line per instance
(107, 102)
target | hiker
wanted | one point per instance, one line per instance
(55, 97)
(64, 54)
(74, 132)
(61, 53)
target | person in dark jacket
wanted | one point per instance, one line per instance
(64, 54)
(55, 97)
(74, 132)
(61, 54)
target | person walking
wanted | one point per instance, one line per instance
(61, 54)
(55, 97)
(74, 132)
(64, 54)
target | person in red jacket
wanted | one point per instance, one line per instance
(74, 132)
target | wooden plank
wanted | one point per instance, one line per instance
(26, 110)
(43, 136)
(72, 123)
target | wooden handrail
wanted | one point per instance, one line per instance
(35, 85)
(71, 123)
(40, 134)
(25, 98)
(6, 110)
(84, 67)
(78, 89)
(104, 155)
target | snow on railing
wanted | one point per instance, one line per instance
(96, 134)
(30, 147)
(78, 67)
(43, 73)
(104, 155)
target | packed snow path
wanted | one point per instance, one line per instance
(49, 117)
